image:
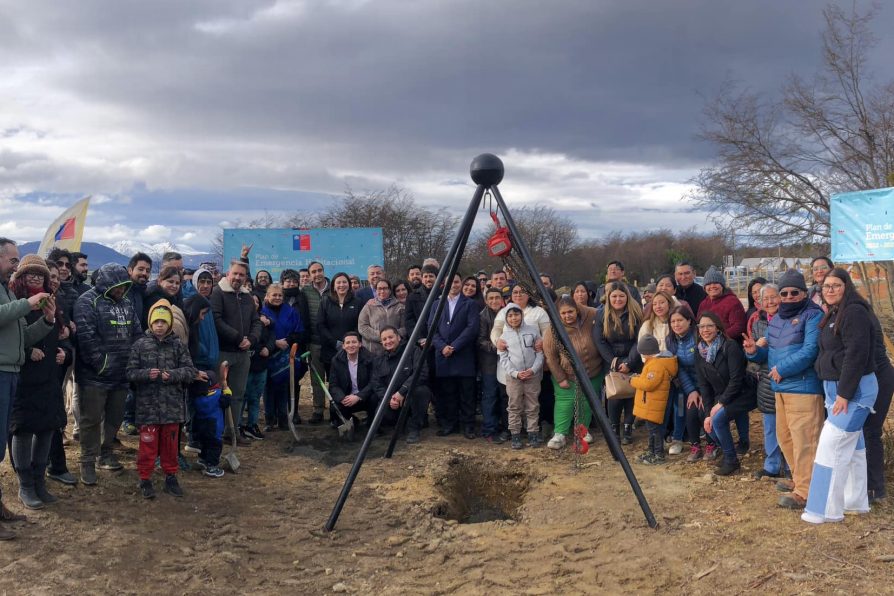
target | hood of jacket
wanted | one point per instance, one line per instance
(161, 303)
(192, 308)
(111, 276)
(667, 361)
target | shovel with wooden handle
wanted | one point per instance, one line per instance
(231, 458)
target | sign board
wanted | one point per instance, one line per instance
(350, 250)
(863, 225)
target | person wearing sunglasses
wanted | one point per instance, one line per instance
(819, 267)
(789, 347)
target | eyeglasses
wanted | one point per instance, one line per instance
(65, 264)
(792, 293)
(707, 326)
(832, 287)
(819, 268)
(34, 276)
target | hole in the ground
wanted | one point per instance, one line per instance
(477, 491)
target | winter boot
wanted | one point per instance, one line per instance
(172, 487)
(88, 473)
(27, 494)
(534, 440)
(516, 441)
(40, 485)
(727, 467)
(627, 439)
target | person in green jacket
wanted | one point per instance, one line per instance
(15, 336)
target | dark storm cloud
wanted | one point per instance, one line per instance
(597, 80)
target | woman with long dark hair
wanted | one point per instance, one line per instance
(339, 313)
(846, 365)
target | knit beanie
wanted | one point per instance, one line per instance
(31, 264)
(792, 279)
(161, 313)
(647, 345)
(712, 276)
(651, 288)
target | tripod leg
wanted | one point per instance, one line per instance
(579, 369)
(460, 240)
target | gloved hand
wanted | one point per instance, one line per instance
(224, 401)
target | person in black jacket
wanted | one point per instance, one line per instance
(846, 364)
(416, 299)
(725, 389)
(107, 326)
(339, 312)
(37, 408)
(386, 367)
(238, 329)
(350, 379)
(687, 290)
(257, 375)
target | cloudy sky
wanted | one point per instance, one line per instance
(184, 116)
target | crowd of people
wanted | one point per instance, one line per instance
(185, 361)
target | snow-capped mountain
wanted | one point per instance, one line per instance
(129, 247)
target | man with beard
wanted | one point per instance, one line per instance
(416, 299)
(314, 292)
(238, 330)
(138, 270)
(414, 276)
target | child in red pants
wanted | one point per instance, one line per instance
(159, 369)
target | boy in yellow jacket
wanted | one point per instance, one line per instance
(652, 387)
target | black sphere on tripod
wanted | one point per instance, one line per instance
(486, 169)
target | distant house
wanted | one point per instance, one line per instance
(772, 267)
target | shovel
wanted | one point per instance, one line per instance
(346, 428)
(292, 405)
(231, 458)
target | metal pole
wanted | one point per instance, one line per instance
(613, 445)
(464, 231)
(452, 267)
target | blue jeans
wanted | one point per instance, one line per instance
(675, 415)
(724, 436)
(8, 382)
(251, 402)
(773, 460)
(493, 404)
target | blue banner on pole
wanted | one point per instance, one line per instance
(350, 250)
(863, 225)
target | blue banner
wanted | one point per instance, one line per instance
(863, 225)
(350, 250)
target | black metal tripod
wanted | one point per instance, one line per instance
(487, 173)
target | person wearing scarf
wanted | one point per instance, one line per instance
(383, 311)
(726, 393)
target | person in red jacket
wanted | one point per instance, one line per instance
(724, 303)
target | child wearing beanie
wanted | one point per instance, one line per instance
(652, 388)
(159, 369)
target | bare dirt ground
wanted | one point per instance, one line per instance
(563, 532)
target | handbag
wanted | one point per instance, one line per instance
(617, 384)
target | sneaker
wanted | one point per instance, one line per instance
(412, 437)
(695, 454)
(516, 442)
(727, 467)
(172, 487)
(109, 462)
(534, 440)
(762, 473)
(557, 442)
(711, 452)
(785, 485)
(193, 447)
(253, 432)
(88, 474)
(130, 429)
(651, 459)
(147, 490)
(676, 448)
(213, 472)
(588, 438)
(65, 477)
(184, 465)
(876, 496)
(504, 436)
(201, 465)
(791, 501)
(316, 418)
(269, 428)
(658, 459)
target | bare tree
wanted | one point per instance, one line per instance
(778, 162)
